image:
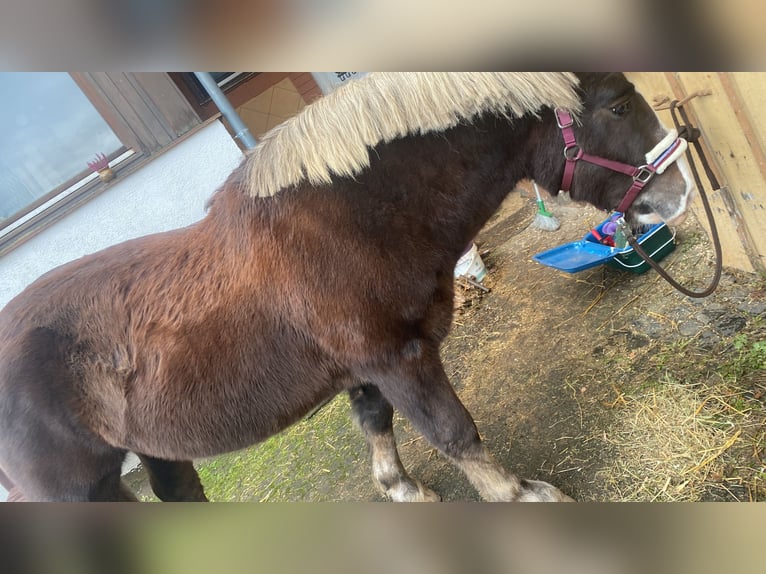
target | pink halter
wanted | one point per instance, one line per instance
(657, 160)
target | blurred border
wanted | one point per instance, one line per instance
(372, 34)
(378, 538)
(379, 34)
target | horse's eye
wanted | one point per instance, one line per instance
(621, 109)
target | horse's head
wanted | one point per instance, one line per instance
(616, 132)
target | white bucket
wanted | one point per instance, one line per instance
(470, 265)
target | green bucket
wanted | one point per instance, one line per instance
(657, 244)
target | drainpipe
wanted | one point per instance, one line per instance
(219, 99)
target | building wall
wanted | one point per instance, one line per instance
(169, 192)
(271, 107)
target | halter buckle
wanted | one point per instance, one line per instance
(564, 119)
(644, 174)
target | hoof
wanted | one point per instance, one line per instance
(539, 491)
(412, 491)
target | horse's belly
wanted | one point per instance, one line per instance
(210, 418)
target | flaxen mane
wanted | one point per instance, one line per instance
(333, 135)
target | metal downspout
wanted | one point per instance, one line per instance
(242, 133)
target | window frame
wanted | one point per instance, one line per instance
(148, 114)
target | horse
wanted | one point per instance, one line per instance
(324, 264)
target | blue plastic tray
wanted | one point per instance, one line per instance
(587, 252)
(576, 256)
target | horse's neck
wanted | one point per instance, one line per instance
(438, 189)
(482, 164)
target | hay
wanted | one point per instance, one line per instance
(670, 442)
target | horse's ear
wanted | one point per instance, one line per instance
(593, 78)
(608, 84)
(586, 80)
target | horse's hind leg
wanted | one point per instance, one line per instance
(173, 481)
(72, 475)
(51, 462)
(420, 390)
(46, 448)
(374, 415)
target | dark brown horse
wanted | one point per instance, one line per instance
(324, 264)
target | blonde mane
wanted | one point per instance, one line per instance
(333, 135)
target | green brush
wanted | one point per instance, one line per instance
(544, 219)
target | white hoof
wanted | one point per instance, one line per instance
(539, 491)
(412, 491)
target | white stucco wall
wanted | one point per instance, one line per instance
(169, 192)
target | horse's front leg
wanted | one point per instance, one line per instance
(374, 415)
(418, 387)
(173, 480)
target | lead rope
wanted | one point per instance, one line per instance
(691, 134)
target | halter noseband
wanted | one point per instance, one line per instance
(657, 160)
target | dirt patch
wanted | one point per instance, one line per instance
(610, 385)
(614, 386)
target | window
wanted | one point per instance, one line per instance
(50, 132)
(53, 124)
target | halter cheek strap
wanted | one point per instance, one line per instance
(657, 160)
